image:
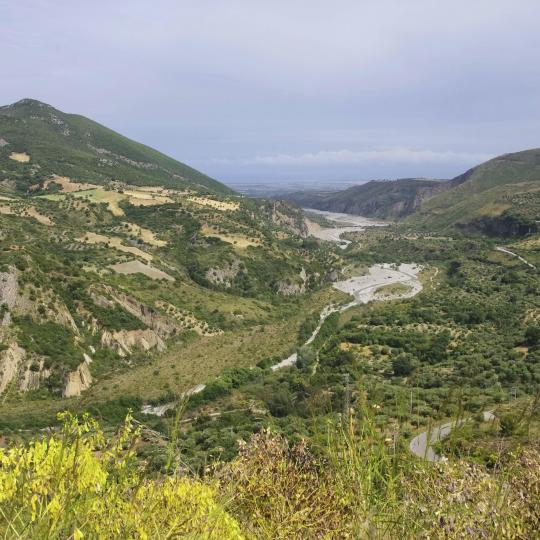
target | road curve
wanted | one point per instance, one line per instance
(420, 447)
(508, 252)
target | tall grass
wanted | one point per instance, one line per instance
(358, 481)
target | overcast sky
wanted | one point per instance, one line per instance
(280, 90)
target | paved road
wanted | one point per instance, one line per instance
(508, 252)
(419, 445)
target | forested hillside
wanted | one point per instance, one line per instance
(500, 198)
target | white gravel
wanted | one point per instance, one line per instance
(364, 288)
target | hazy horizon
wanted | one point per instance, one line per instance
(289, 92)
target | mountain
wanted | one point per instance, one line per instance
(117, 261)
(499, 197)
(48, 141)
(378, 198)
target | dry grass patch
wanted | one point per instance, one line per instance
(146, 235)
(188, 320)
(238, 240)
(32, 212)
(146, 198)
(114, 242)
(530, 243)
(137, 267)
(67, 185)
(99, 195)
(21, 157)
(213, 203)
(25, 211)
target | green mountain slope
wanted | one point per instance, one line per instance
(74, 146)
(124, 268)
(381, 199)
(501, 196)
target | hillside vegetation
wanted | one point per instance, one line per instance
(39, 140)
(79, 484)
(384, 199)
(499, 198)
(145, 311)
(110, 264)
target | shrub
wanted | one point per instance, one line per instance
(78, 485)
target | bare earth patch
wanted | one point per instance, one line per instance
(238, 240)
(146, 198)
(68, 186)
(146, 235)
(99, 195)
(32, 212)
(213, 203)
(21, 157)
(114, 242)
(28, 211)
(137, 267)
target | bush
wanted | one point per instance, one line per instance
(78, 485)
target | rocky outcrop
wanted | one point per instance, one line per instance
(294, 287)
(10, 360)
(124, 342)
(15, 366)
(32, 377)
(9, 289)
(107, 296)
(78, 380)
(289, 217)
(224, 275)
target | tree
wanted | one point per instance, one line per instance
(532, 335)
(403, 365)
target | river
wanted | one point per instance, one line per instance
(363, 288)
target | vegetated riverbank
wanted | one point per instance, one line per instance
(363, 288)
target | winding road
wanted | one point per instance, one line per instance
(508, 252)
(420, 447)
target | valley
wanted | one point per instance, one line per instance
(132, 286)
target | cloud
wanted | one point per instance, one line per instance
(378, 155)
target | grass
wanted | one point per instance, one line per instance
(392, 289)
(185, 364)
(73, 146)
(115, 242)
(355, 482)
(98, 195)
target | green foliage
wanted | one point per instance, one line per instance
(51, 340)
(80, 485)
(74, 146)
(532, 335)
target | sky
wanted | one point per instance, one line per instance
(299, 90)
